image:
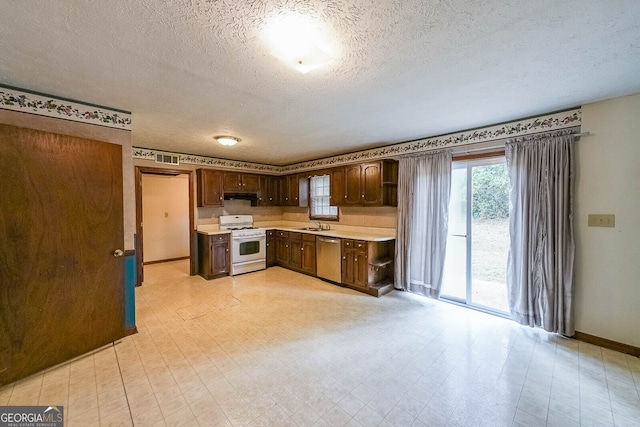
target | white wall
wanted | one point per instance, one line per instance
(165, 216)
(607, 293)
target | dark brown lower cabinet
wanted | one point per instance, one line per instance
(295, 257)
(214, 255)
(368, 266)
(308, 257)
(283, 249)
(271, 248)
(296, 251)
(355, 263)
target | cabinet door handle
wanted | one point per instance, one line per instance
(302, 249)
(344, 257)
(355, 259)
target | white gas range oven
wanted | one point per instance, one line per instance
(248, 243)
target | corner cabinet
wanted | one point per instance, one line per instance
(368, 266)
(214, 255)
(210, 188)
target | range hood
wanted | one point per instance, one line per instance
(252, 197)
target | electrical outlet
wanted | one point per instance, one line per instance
(602, 220)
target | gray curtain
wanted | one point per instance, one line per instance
(541, 253)
(424, 187)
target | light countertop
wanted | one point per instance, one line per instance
(342, 234)
(370, 234)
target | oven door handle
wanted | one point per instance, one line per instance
(249, 239)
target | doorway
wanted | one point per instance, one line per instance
(478, 240)
(158, 246)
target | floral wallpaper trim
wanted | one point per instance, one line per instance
(550, 122)
(42, 105)
(150, 154)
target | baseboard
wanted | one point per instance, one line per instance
(611, 345)
(165, 260)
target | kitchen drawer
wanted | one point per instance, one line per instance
(284, 234)
(347, 244)
(271, 233)
(360, 245)
(307, 237)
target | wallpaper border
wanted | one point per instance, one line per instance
(544, 123)
(45, 105)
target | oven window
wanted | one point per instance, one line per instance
(250, 248)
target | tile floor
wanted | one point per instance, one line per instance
(276, 348)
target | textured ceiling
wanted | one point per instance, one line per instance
(402, 69)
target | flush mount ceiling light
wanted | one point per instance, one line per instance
(298, 40)
(227, 140)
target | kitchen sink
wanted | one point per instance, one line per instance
(309, 228)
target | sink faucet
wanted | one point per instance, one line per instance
(319, 225)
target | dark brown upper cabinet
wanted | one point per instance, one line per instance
(294, 190)
(241, 182)
(336, 181)
(210, 193)
(268, 190)
(366, 184)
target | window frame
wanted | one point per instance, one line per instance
(312, 197)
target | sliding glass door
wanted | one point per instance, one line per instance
(478, 241)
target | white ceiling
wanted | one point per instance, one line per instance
(403, 69)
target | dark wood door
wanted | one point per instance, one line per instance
(210, 187)
(352, 185)
(61, 220)
(371, 184)
(283, 190)
(271, 248)
(336, 181)
(295, 257)
(283, 252)
(348, 262)
(263, 190)
(220, 255)
(361, 265)
(273, 183)
(293, 189)
(308, 261)
(250, 182)
(232, 181)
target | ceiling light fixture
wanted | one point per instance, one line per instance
(227, 140)
(298, 40)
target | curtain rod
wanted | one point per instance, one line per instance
(500, 145)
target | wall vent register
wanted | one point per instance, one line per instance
(167, 159)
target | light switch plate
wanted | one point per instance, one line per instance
(602, 220)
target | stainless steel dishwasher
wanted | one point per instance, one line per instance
(329, 259)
